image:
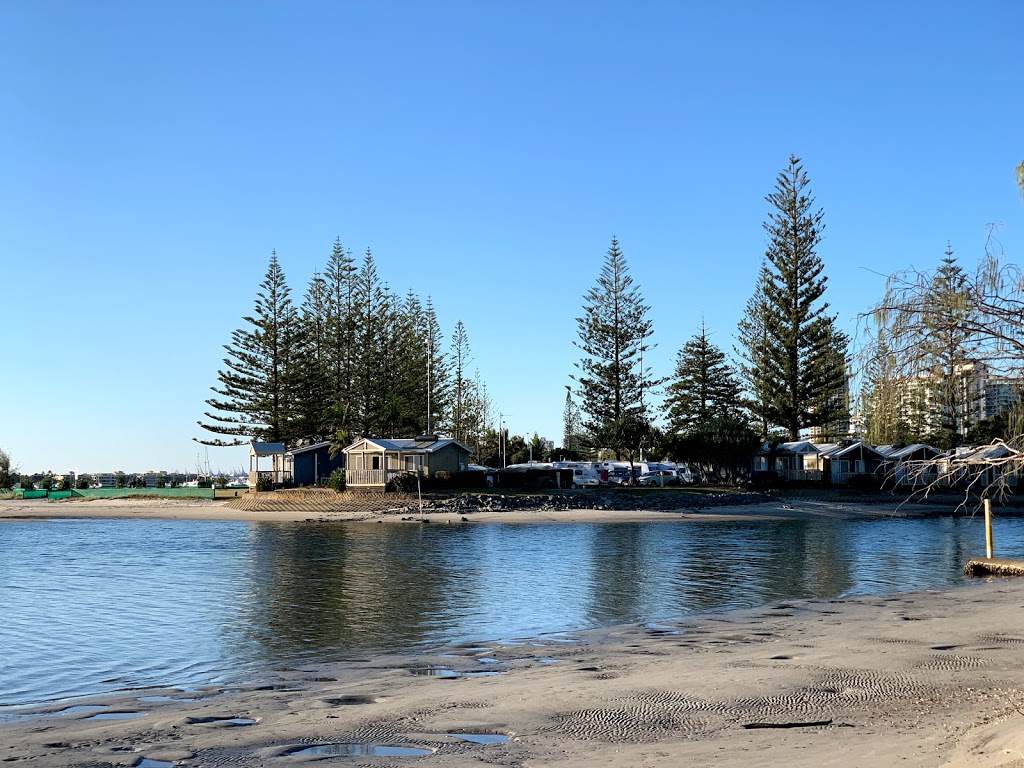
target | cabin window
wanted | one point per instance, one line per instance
(810, 461)
(375, 462)
(858, 467)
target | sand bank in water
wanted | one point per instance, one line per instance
(924, 679)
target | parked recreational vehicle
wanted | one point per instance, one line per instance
(585, 474)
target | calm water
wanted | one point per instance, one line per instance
(91, 606)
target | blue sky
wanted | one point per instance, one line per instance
(152, 155)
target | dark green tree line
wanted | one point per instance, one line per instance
(353, 359)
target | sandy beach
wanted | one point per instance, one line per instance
(925, 679)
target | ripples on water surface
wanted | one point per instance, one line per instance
(92, 606)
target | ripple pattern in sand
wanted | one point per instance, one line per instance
(643, 717)
(952, 663)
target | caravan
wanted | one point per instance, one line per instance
(585, 474)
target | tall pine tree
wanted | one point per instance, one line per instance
(461, 383)
(613, 333)
(792, 345)
(313, 393)
(704, 385)
(438, 370)
(341, 352)
(256, 386)
(370, 313)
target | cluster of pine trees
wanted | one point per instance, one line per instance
(355, 358)
(793, 371)
(352, 359)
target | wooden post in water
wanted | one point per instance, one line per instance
(988, 528)
(419, 493)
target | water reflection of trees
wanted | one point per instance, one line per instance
(618, 573)
(336, 589)
(717, 565)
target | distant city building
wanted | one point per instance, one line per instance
(931, 402)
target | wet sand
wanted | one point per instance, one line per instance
(923, 679)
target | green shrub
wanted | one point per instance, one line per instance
(26, 484)
(264, 483)
(404, 483)
(160, 482)
(64, 484)
(766, 481)
(82, 483)
(337, 480)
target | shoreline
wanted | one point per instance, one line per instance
(403, 511)
(921, 678)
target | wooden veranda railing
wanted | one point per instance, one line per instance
(802, 474)
(369, 476)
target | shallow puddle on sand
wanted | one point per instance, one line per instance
(147, 762)
(445, 672)
(79, 708)
(225, 720)
(117, 715)
(481, 738)
(363, 750)
(156, 699)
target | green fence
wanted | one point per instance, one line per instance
(122, 493)
(170, 493)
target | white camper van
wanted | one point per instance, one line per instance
(585, 474)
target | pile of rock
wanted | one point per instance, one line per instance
(467, 503)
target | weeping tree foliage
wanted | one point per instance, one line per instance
(945, 332)
(791, 349)
(255, 394)
(704, 385)
(931, 345)
(613, 331)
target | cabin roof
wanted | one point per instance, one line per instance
(407, 444)
(891, 452)
(265, 449)
(308, 448)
